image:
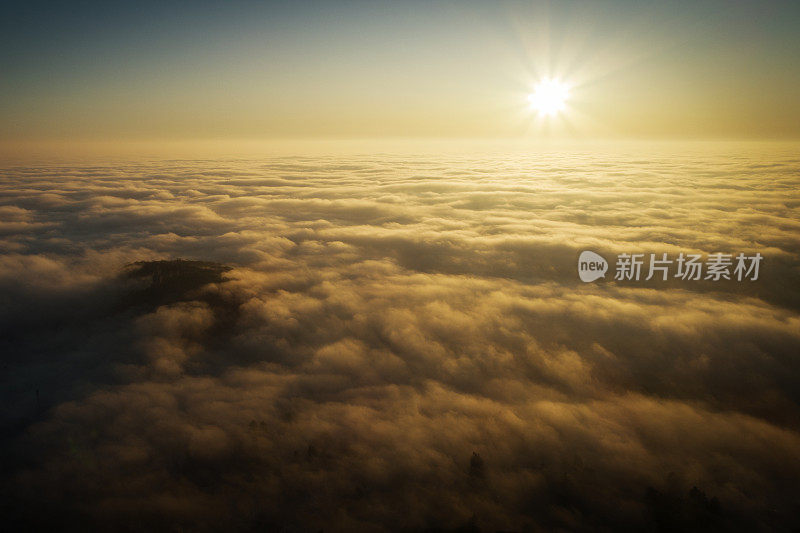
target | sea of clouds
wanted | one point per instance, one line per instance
(401, 343)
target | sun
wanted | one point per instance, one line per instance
(549, 97)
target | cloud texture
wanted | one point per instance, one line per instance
(402, 343)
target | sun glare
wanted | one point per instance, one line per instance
(549, 97)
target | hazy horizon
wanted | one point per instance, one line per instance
(23, 152)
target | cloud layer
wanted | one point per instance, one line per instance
(402, 343)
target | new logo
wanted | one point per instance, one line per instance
(591, 266)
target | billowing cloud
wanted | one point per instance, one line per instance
(400, 343)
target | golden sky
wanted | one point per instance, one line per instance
(410, 69)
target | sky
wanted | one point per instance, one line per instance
(228, 70)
